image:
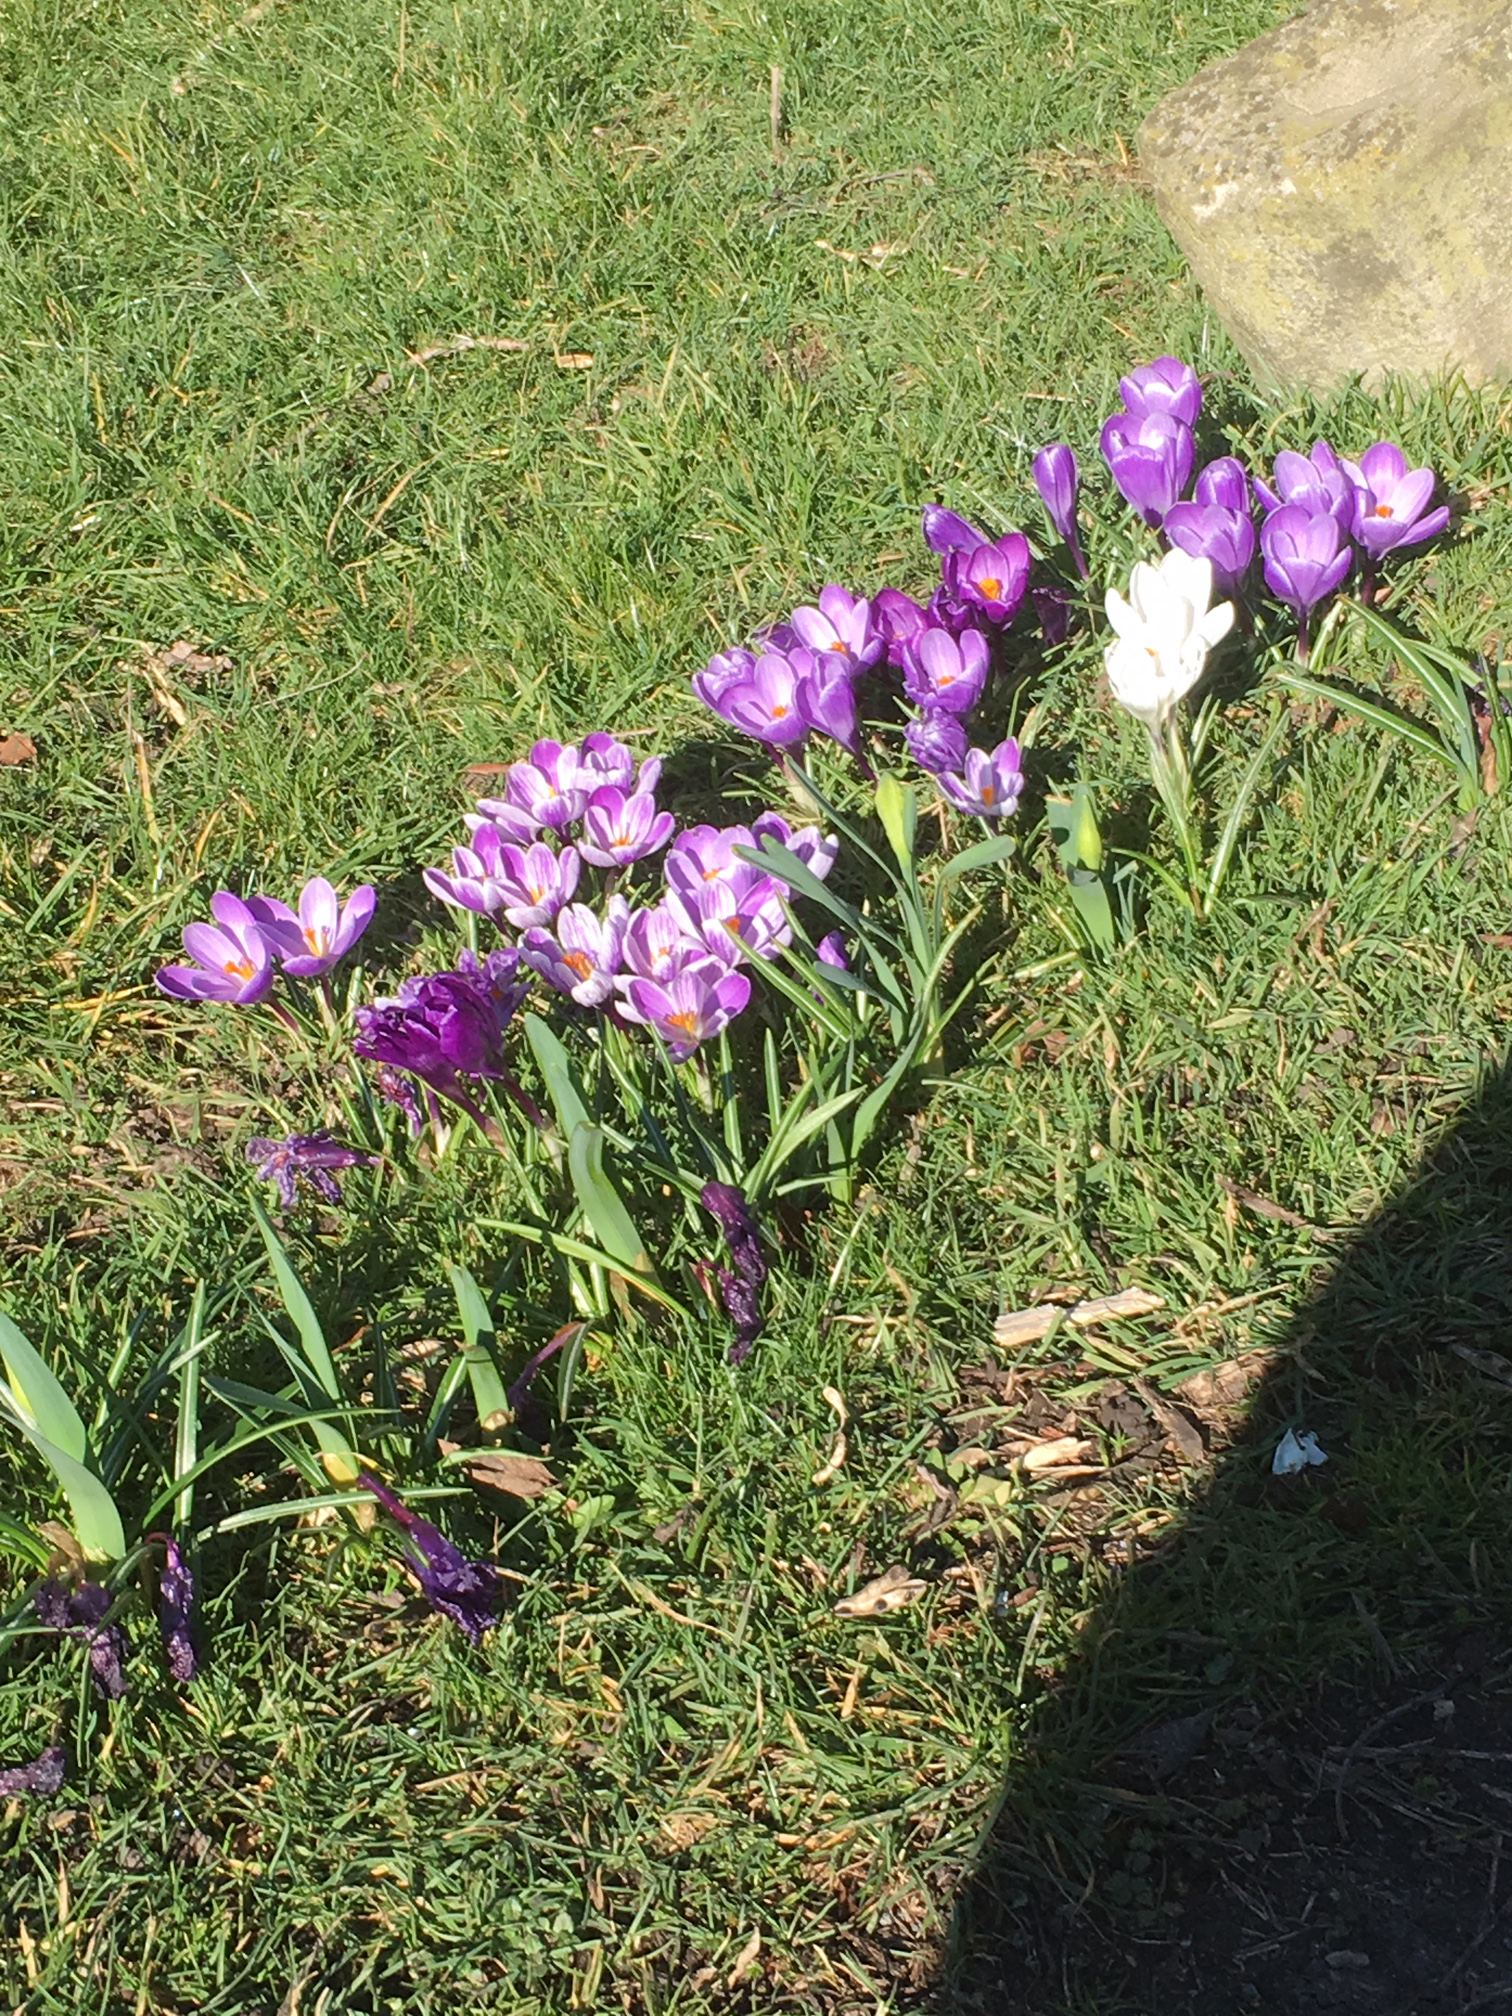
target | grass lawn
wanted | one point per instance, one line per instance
(445, 377)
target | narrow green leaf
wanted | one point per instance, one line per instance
(301, 1310)
(96, 1522)
(556, 1068)
(603, 1207)
(999, 847)
(39, 1395)
(489, 1393)
(1349, 702)
(186, 1430)
(591, 1256)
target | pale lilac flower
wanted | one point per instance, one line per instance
(481, 879)
(1166, 387)
(309, 941)
(840, 627)
(311, 1158)
(944, 671)
(694, 1005)
(508, 821)
(724, 671)
(830, 951)
(553, 787)
(582, 956)
(654, 945)
(936, 740)
(765, 706)
(604, 760)
(702, 854)
(1391, 501)
(619, 829)
(536, 882)
(827, 702)
(232, 958)
(814, 849)
(1318, 483)
(736, 919)
(991, 784)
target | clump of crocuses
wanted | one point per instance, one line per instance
(236, 958)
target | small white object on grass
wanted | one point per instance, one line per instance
(1295, 1452)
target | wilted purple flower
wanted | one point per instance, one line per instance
(583, 956)
(1150, 458)
(310, 940)
(1223, 481)
(398, 1091)
(840, 627)
(827, 702)
(176, 1611)
(534, 882)
(936, 740)
(944, 671)
(1052, 610)
(1318, 482)
(1056, 478)
(470, 1593)
(81, 1612)
(895, 617)
(1212, 532)
(992, 782)
(232, 958)
(43, 1776)
(830, 951)
(740, 1289)
(619, 828)
(1391, 500)
(654, 946)
(947, 532)
(692, 1006)
(1166, 387)
(442, 1026)
(1306, 556)
(312, 1157)
(992, 578)
(553, 787)
(480, 879)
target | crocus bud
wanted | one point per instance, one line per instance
(1056, 477)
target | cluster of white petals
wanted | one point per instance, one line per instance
(1163, 633)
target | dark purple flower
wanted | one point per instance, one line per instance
(840, 627)
(992, 578)
(1166, 387)
(582, 956)
(739, 1287)
(1391, 501)
(232, 959)
(470, 1593)
(991, 784)
(1223, 482)
(309, 941)
(946, 532)
(895, 617)
(1052, 610)
(1306, 556)
(830, 951)
(944, 671)
(1318, 482)
(621, 827)
(695, 1004)
(442, 1026)
(1056, 478)
(1150, 458)
(176, 1611)
(309, 1157)
(1212, 532)
(42, 1777)
(936, 741)
(82, 1612)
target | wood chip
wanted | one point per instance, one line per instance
(1027, 1326)
(1181, 1431)
(17, 748)
(574, 360)
(519, 1476)
(885, 1593)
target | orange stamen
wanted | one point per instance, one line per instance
(686, 1022)
(239, 969)
(580, 963)
(990, 588)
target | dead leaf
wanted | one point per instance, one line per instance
(1221, 1386)
(1182, 1432)
(1490, 1364)
(684, 1829)
(1056, 1453)
(17, 748)
(836, 1463)
(885, 1593)
(745, 1962)
(574, 360)
(519, 1476)
(1027, 1326)
(1263, 1207)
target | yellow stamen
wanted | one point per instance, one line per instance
(238, 969)
(686, 1022)
(580, 963)
(316, 939)
(990, 588)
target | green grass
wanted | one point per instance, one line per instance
(226, 235)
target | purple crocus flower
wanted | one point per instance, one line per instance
(1056, 477)
(1052, 611)
(654, 946)
(480, 880)
(830, 951)
(621, 827)
(176, 1613)
(442, 1026)
(583, 955)
(991, 784)
(1150, 458)
(827, 702)
(1167, 387)
(992, 578)
(309, 941)
(232, 959)
(1318, 482)
(944, 671)
(1212, 532)
(311, 1158)
(739, 1287)
(765, 706)
(702, 854)
(535, 883)
(724, 672)
(1391, 500)
(895, 617)
(936, 741)
(470, 1593)
(841, 627)
(82, 1612)
(947, 532)
(814, 849)
(508, 821)
(42, 1777)
(694, 1005)
(1306, 558)
(553, 787)
(1223, 482)
(736, 918)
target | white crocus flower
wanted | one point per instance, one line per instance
(1164, 633)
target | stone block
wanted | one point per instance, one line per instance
(1342, 188)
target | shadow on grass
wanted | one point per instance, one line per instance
(1279, 1771)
